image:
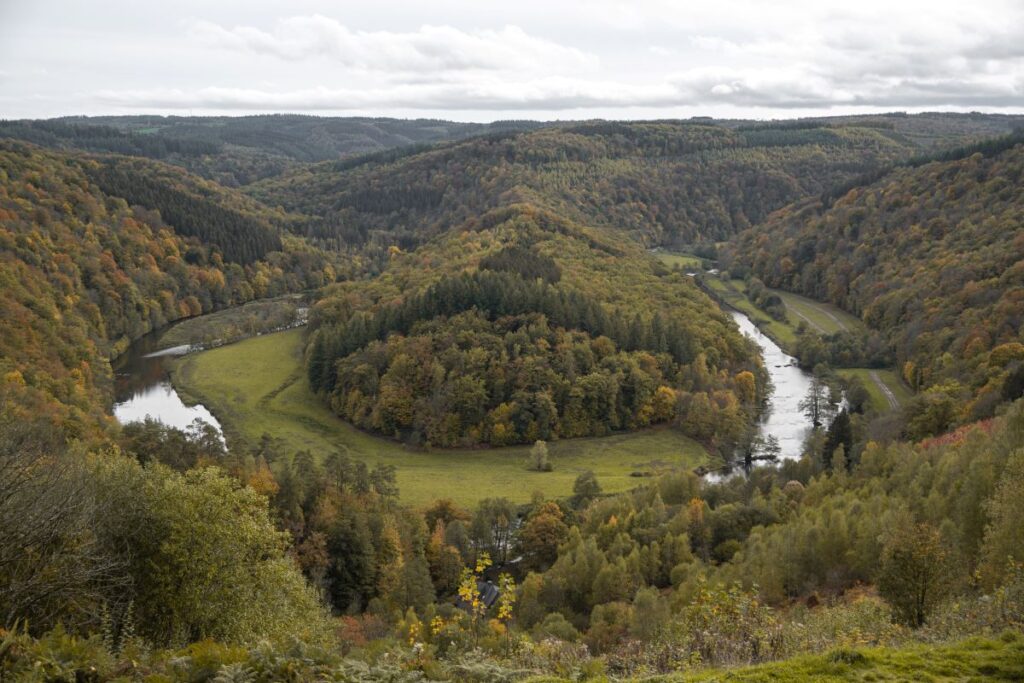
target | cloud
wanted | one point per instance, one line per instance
(864, 54)
(798, 56)
(428, 49)
(543, 94)
(810, 87)
(781, 88)
(613, 57)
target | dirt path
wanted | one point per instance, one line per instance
(839, 323)
(815, 326)
(820, 309)
(889, 396)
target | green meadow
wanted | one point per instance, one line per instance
(684, 261)
(876, 382)
(820, 317)
(258, 387)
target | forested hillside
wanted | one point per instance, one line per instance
(932, 254)
(238, 150)
(664, 183)
(928, 131)
(523, 325)
(240, 229)
(84, 271)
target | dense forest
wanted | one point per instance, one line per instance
(676, 575)
(468, 341)
(85, 271)
(665, 183)
(509, 194)
(194, 209)
(929, 255)
(235, 151)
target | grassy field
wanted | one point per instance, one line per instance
(976, 659)
(885, 386)
(257, 386)
(820, 317)
(874, 380)
(684, 261)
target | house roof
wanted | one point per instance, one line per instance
(486, 591)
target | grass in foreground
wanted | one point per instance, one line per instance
(976, 659)
(972, 660)
(59, 657)
(258, 386)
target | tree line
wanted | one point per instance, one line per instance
(239, 237)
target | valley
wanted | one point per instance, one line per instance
(587, 400)
(257, 387)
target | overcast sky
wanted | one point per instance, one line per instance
(482, 61)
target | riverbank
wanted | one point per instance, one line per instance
(143, 388)
(885, 388)
(258, 387)
(234, 324)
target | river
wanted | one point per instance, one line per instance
(782, 418)
(142, 386)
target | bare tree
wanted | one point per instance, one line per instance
(51, 566)
(817, 405)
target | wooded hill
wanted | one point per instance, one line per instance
(235, 150)
(522, 195)
(83, 271)
(928, 131)
(931, 254)
(523, 325)
(664, 183)
(526, 310)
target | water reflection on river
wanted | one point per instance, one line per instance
(783, 418)
(142, 386)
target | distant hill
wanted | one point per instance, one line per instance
(928, 131)
(238, 150)
(663, 183)
(932, 254)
